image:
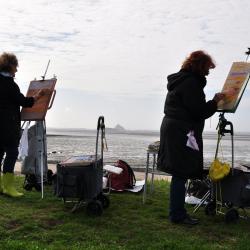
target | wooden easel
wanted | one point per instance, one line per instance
(37, 114)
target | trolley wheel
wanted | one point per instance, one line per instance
(229, 205)
(28, 187)
(210, 208)
(232, 215)
(94, 208)
(104, 199)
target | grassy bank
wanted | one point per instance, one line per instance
(32, 223)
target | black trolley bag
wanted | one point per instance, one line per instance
(80, 179)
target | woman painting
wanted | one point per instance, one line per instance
(181, 146)
(10, 101)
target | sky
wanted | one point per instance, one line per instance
(112, 57)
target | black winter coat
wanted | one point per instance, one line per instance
(10, 101)
(185, 109)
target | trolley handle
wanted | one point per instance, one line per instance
(100, 123)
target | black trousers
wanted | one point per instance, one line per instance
(177, 211)
(11, 154)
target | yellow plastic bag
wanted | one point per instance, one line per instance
(218, 170)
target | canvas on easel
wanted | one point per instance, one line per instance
(38, 111)
(234, 86)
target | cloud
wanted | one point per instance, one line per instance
(122, 47)
(67, 109)
(80, 109)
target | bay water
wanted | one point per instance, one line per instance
(132, 146)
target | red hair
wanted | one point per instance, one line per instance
(198, 62)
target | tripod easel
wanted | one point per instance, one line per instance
(224, 127)
(37, 114)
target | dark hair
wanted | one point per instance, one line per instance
(7, 60)
(198, 62)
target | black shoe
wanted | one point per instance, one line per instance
(190, 221)
(187, 221)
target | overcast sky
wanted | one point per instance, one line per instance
(112, 57)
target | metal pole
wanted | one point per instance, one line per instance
(42, 173)
(146, 178)
(232, 140)
(40, 133)
(153, 172)
(247, 53)
(43, 77)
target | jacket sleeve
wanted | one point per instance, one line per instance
(19, 98)
(194, 101)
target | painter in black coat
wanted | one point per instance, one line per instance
(10, 101)
(185, 110)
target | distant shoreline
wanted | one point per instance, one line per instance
(75, 132)
(241, 136)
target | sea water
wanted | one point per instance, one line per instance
(132, 146)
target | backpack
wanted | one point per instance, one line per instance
(124, 180)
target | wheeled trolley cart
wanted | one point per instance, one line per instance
(233, 191)
(80, 179)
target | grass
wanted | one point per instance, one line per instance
(32, 223)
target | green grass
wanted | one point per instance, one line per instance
(32, 223)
